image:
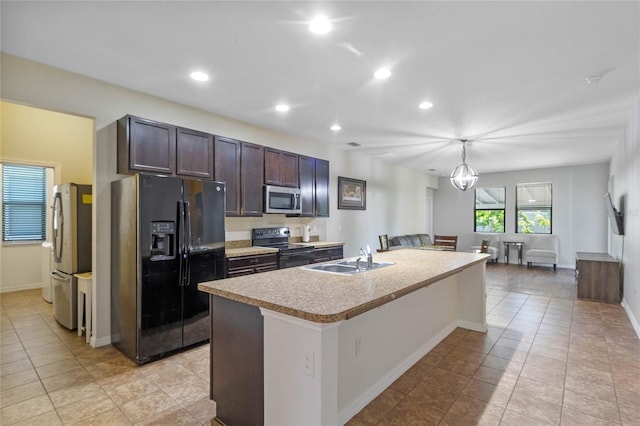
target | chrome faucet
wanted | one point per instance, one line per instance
(368, 255)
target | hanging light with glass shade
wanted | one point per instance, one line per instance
(464, 176)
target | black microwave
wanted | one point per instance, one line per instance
(280, 199)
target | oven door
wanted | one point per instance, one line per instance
(293, 259)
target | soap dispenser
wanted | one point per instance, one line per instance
(306, 229)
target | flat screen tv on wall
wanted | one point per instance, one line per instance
(615, 217)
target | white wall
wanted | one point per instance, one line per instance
(578, 212)
(396, 197)
(625, 178)
(61, 142)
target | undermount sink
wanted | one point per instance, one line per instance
(346, 267)
(363, 264)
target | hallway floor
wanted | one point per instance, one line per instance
(546, 359)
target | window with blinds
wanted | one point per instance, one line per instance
(24, 203)
(533, 208)
(489, 209)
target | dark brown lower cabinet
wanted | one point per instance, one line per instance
(246, 265)
(236, 364)
(327, 254)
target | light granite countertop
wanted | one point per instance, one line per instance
(325, 297)
(248, 251)
(322, 244)
(252, 250)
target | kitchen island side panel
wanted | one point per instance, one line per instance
(236, 364)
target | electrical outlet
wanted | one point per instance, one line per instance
(358, 345)
(309, 363)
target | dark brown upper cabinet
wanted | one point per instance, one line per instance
(227, 169)
(280, 168)
(241, 166)
(194, 154)
(146, 146)
(322, 188)
(150, 146)
(251, 178)
(307, 170)
(314, 186)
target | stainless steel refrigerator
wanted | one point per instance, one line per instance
(167, 235)
(71, 236)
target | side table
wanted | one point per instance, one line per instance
(507, 245)
(598, 276)
(84, 303)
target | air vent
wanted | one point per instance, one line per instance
(353, 144)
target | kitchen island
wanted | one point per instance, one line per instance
(295, 346)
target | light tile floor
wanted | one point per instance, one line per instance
(546, 359)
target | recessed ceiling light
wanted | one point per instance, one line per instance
(425, 105)
(336, 127)
(320, 25)
(199, 76)
(382, 73)
(282, 108)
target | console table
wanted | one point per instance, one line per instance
(507, 245)
(598, 276)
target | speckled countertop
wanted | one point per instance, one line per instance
(322, 244)
(248, 251)
(324, 297)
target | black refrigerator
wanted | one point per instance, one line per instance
(167, 235)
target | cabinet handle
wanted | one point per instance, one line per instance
(254, 260)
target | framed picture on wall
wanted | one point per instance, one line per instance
(352, 194)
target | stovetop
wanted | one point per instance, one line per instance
(276, 238)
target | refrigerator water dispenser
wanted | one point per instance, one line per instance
(163, 240)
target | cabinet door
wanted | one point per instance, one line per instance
(194, 154)
(227, 170)
(307, 173)
(289, 169)
(272, 167)
(280, 168)
(322, 188)
(251, 178)
(146, 146)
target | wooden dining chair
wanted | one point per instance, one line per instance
(447, 242)
(484, 246)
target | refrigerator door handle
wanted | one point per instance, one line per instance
(187, 225)
(181, 239)
(56, 227)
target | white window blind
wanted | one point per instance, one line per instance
(24, 203)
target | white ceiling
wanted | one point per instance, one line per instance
(509, 76)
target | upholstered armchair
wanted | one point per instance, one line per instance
(542, 249)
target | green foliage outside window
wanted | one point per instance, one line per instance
(534, 222)
(490, 220)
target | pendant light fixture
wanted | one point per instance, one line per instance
(464, 176)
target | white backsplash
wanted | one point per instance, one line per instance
(239, 228)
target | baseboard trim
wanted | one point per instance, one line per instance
(22, 287)
(103, 341)
(632, 319)
(474, 326)
(377, 388)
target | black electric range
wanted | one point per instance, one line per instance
(289, 255)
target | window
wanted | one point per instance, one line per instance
(533, 208)
(489, 209)
(24, 203)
